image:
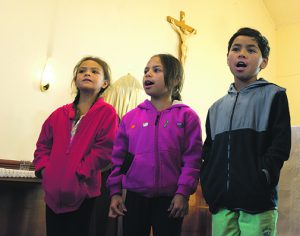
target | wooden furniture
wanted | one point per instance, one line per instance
(21, 204)
(22, 209)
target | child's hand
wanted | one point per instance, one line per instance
(179, 206)
(117, 206)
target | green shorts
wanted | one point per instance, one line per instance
(239, 223)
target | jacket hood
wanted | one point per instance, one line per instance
(258, 83)
(69, 109)
(147, 105)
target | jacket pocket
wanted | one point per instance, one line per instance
(127, 163)
(141, 173)
(50, 182)
(73, 191)
(267, 176)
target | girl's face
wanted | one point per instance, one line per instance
(90, 77)
(153, 81)
(245, 60)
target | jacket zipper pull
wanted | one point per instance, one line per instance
(157, 119)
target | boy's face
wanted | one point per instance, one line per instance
(245, 60)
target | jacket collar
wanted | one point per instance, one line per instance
(258, 83)
(69, 108)
(147, 105)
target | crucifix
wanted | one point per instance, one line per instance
(184, 31)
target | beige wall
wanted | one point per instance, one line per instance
(288, 68)
(125, 34)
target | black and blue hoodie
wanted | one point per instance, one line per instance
(248, 140)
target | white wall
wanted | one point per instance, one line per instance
(288, 39)
(125, 34)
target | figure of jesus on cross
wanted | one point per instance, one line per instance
(183, 31)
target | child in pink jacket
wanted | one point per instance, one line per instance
(75, 143)
(156, 155)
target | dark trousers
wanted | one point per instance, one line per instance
(76, 223)
(144, 213)
(102, 225)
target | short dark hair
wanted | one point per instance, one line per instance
(262, 41)
(173, 74)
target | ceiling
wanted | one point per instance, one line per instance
(283, 12)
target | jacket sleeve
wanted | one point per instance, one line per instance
(100, 153)
(191, 157)
(114, 181)
(280, 138)
(43, 147)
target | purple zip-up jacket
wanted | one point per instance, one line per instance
(167, 148)
(72, 168)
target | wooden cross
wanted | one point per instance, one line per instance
(181, 23)
(184, 31)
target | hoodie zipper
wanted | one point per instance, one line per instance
(156, 151)
(157, 119)
(229, 141)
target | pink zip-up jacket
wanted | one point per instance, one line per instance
(72, 168)
(167, 148)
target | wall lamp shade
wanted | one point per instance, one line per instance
(46, 77)
(44, 87)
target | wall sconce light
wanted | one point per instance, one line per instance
(44, 87)
(46, 77)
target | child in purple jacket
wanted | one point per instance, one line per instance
(156, 155)
(75, 143)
